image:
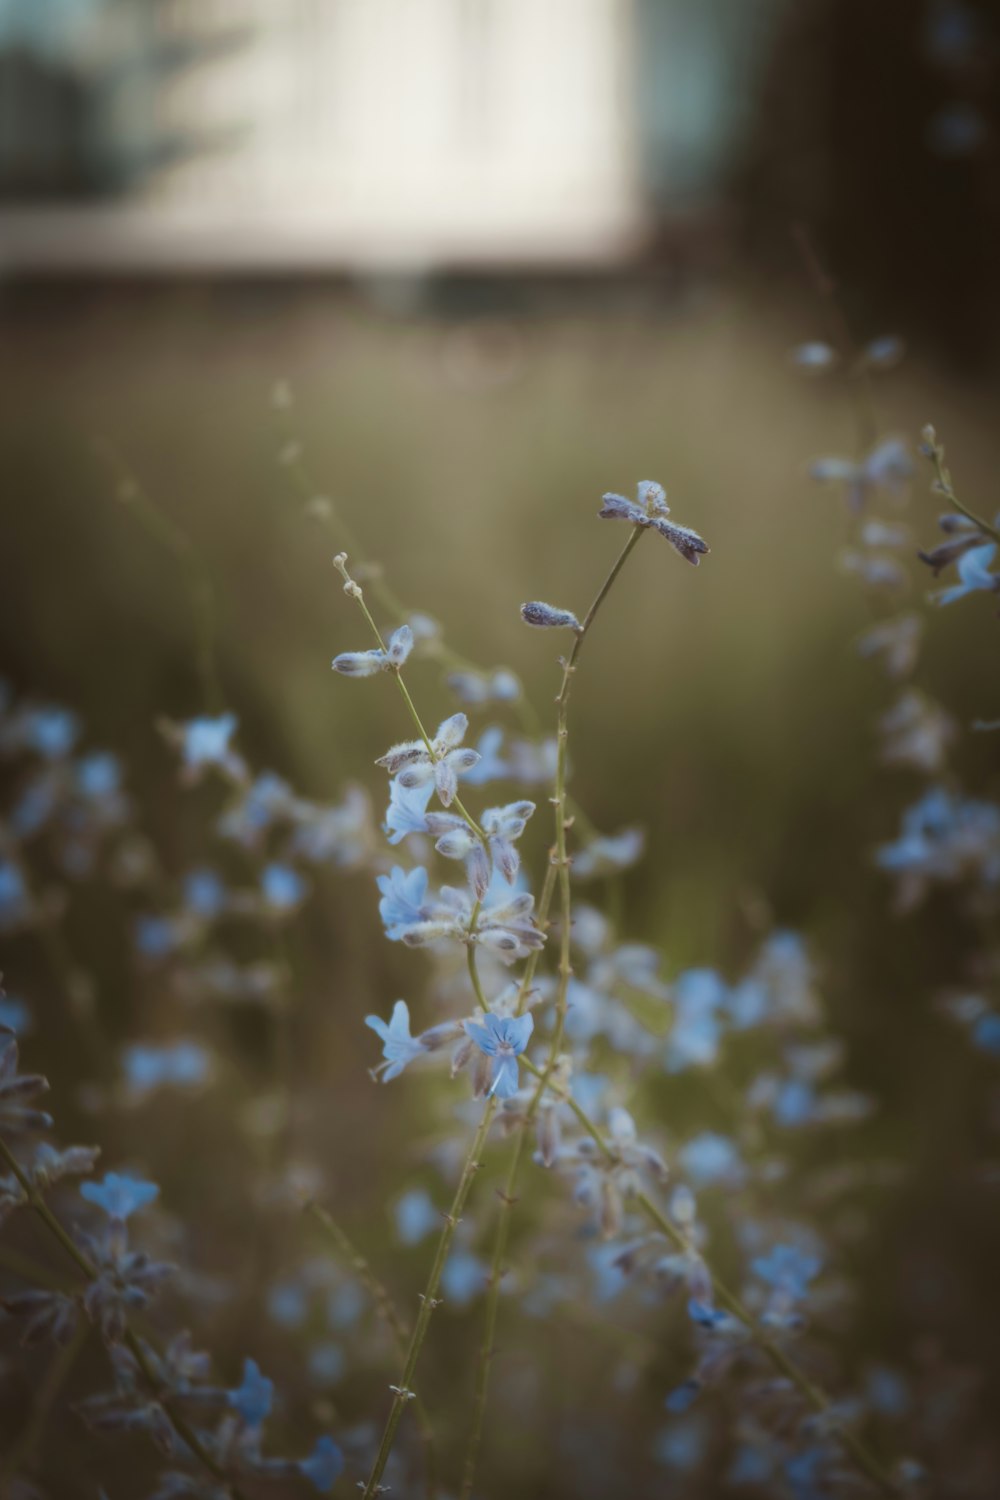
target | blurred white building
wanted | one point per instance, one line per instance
(284, 134)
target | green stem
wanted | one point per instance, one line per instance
(727, 1299)
(387, 1311)
(558, 869)
(428, 1302)
(943, 476)
(355, 592)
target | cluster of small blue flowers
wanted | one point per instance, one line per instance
(211, 1436)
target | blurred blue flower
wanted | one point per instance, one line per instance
(710, 1158)
(327, 1363)
(119, 1196)
(407, 812)
(787, 1269)
(415, 1215)
(324, 1465)
(204, 893)
(51, 732)
(287, 1304)
(253, 1397)
(282, 887)
(973, 568)
(463, 1277)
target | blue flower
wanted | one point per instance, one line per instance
(252, 1398)
(787, 1269)
(323, 1466)
(98, 776)
(402, 902)
(327, 1362)
(148, 1067)
(283, 888)
(398, 1047)
(710, 1158)
(204, 743)
(204, 893)
(986, 1033)
(14, 1014)
(490, 767)
(973, 569)
(415, 765)
(503, 1038)
(119, 1196)
(652, 511)
(288, 1304)
(51, 732)
(415, 1215)
(463, 1278)
(407, 810)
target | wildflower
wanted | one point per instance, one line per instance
(609, 854)
(896, 641)
(503, 1039)
(710, 1158)
(283, 888)
(463, 1278)
(974, 571)
(252, 1398)
(887, 466)
(415, 765)
(407, 812)
(477, 688)
(402, 902)
(491, 766)
(323, 1466)
(788, 1270)
(398, 1047)
(50, 732)
(119, 1196)
(651, 511)
(182, 1063)
(370, 663)
(547, 616)
(884, 352)
(916, 732)
(204, 893)
(815, 357)
(204, 744)
(415, 1215)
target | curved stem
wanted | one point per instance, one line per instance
(817, 1399)
(403, 1392)
(558, 869)
(386, 1309)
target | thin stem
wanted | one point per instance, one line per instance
(429, 1300)
(865, 1460)
(387, 1311)
(935, 452)
(558, 869)
(169, 535)
(389, 600)
(355, 592)
(83, 1264)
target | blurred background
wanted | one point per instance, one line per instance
(506, 255)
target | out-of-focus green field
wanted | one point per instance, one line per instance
(723, 708)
